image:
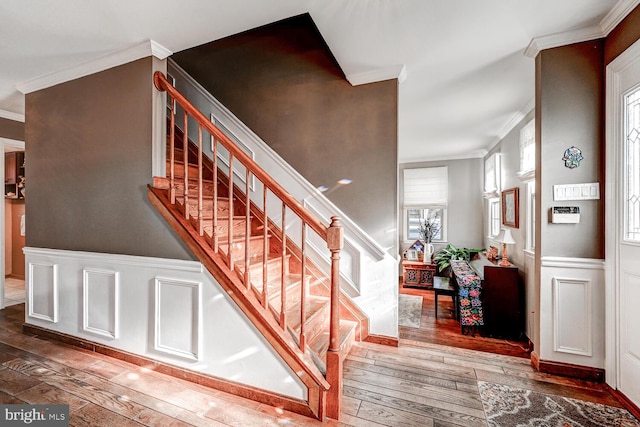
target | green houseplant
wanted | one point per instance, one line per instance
(443, 257)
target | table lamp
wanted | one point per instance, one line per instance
(505, 239)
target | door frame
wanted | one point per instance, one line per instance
(612, 210)
(19, 145)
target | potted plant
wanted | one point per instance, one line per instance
(443, 257)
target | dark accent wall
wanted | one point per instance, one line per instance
(88, 145)
(623, 36)
(570, 112)
(282, 81)
(11, 129)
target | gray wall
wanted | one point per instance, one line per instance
(88, 142)
(282, 81)
(464, 209)
(11, 129)
(569, 112)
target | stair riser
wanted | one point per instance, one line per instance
(256, 251)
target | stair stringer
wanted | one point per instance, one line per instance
(280, 340)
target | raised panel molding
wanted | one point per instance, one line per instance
(177, 318)
(572, 307)
(101, 296)
(43, 291)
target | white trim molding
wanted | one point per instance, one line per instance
(172, 311)
(394, 72)
(9, 115)
(572, 306)
(101, 302)
(113, 59)
(606, 25)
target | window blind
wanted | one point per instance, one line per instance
(426, 186)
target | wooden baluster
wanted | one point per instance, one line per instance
(230, 222)
(172, 154)
(185, 152)
(334, 361)
(265, 254)
(303, 289)
(247, 236)
(283, 288)
(200, 201)
(214, 221)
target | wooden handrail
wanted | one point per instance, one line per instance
(332, 235)
(163, 85)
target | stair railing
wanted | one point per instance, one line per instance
(332, 235)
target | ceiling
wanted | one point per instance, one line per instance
(465, 78)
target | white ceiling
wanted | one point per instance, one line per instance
(467, 81)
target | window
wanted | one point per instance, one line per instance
(418, 215)
(531, 216)
(425, 197)
(632, 166)
(527, 150)
(494, 217)
(492, 173)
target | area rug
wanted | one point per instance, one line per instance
(507, 406)
(409, 310)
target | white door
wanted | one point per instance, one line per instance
(626, 136)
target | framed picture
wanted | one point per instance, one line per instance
(510, 208)
(412, 255)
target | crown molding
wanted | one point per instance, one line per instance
(113, 59)
(477, 154)
(512, 123)
(617, 14)
(394, 72)
(562, 39)
(606, 25)
(12, 116)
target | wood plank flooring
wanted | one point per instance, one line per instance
(445, 329)
(416, 384)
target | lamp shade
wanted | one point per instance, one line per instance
(506, 237)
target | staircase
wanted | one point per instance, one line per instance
(258, 251)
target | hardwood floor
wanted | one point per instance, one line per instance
(445, 329)
(416, 384)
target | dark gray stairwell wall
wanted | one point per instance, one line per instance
(88, 145)
(282, 81)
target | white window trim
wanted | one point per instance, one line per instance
(492, 172)
(527, 138)
(490, 203)
(405, 222)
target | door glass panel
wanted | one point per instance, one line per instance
(632, 156)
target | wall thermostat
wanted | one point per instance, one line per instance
(565, 214)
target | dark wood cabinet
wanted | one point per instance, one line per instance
(418, 274)
(502, 298)
(14, 174)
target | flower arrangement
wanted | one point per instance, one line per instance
(428, 229)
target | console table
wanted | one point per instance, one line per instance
(418, 274)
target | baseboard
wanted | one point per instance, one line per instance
(382, 339)
(628, 404)
(263, 396)
(566, 369)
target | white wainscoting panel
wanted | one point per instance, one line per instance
(177, 317)
(571, 314)
(101, 302)
(42, 291)
(169, 310)
(572, 306)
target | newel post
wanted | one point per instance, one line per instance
(334, 360)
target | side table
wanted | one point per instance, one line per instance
(417, 273)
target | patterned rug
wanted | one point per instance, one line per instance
(409, 310)
(507, 406)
